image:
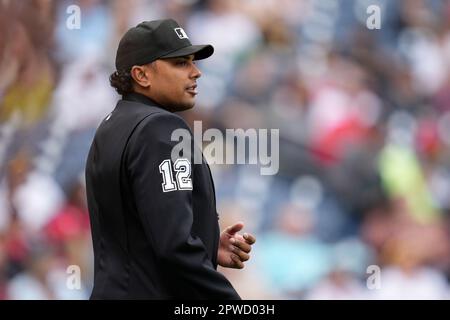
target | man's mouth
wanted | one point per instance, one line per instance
(192, 89)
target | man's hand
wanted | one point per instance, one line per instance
(234, 248)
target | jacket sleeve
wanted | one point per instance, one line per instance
(167, 216)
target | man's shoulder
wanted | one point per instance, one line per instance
(132, 113)
(163, 122)
(149, 119)
(135, 109)
(148, 113)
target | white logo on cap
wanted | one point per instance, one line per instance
(180, 33)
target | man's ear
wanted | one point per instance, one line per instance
(140, 76)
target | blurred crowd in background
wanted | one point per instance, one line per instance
(364, 120)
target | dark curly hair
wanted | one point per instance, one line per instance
(121, 81)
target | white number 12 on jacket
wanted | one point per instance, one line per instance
(182, 168)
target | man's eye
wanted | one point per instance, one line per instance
(182, 63)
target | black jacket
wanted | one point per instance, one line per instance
(154, 237)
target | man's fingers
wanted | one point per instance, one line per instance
(231, 230)
(242, 245)
(237, 261)
(250, 239)
(243, 256)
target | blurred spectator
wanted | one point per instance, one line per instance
(350, 259)
(291, 256)
(72, 220)
(91, 37)
(29, 76)
(43, 279)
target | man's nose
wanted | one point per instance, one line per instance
(196, 73)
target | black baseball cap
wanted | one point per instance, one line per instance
(158, 39)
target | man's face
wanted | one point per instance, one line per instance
(173, 82)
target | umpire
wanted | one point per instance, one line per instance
(153, 218)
